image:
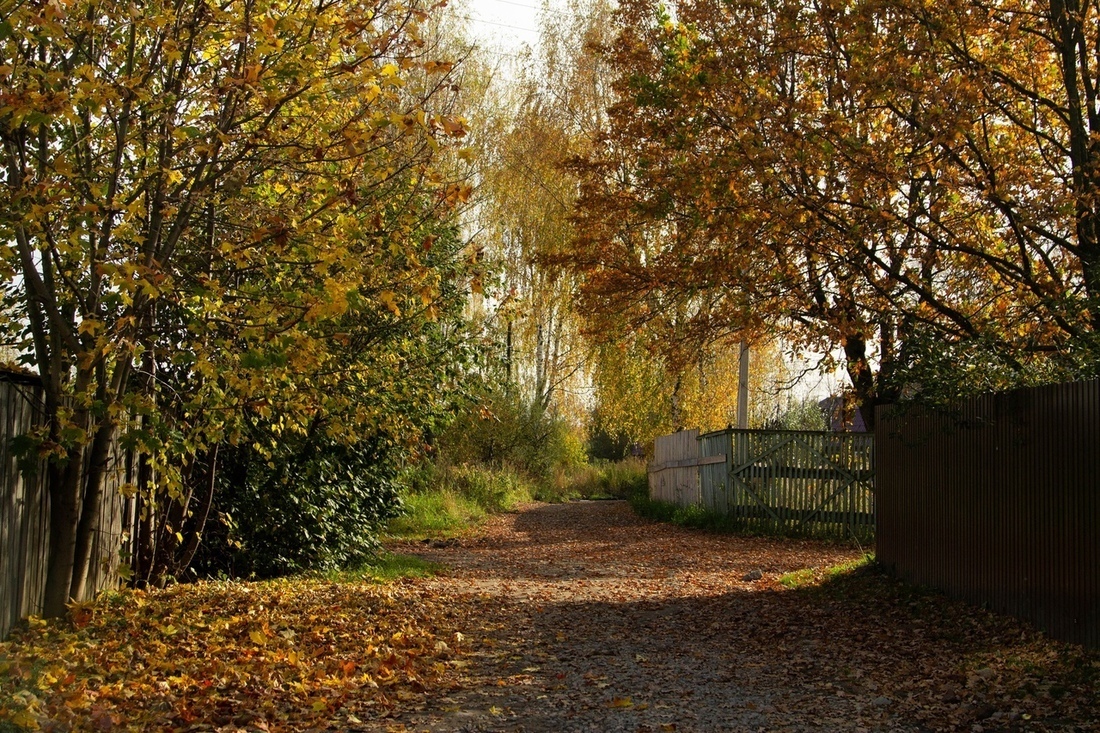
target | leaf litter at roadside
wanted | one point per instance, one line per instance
(294, 654)
(556, 618)
(601, 621)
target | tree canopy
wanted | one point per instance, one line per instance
(217, 213)
(910, 184)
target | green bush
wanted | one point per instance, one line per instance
(513, 435)
(314, 505)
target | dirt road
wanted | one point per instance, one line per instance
(583, 617)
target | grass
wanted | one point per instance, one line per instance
(596, 480)
(798, 578)
(385, 567)
(435, 514)
(698, 517)
(809, 577)
(445, 501)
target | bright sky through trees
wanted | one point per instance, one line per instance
(506, 25)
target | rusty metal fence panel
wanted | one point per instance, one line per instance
(997, 501)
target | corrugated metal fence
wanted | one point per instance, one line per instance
(24, 513)
(997, 501)
(811, 483)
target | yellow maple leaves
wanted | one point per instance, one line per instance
(310, 651)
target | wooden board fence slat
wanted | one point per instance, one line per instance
(814, 483)
(676, 485)
(25, 518)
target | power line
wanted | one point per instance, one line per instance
(533, 7)
(502, 25)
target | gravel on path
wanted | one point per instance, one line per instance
(584, 617)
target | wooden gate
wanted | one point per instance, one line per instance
(814, 483)
(801, 482)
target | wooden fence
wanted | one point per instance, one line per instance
(674, 473)
(812, 483)
(24, 513)
(997, 501)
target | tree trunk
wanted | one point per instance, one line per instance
(95, 475)
(64, 488)
(862, 377)
(196, 522)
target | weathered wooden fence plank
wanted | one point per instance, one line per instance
(675, 484)
(25, 518)
(815, 483)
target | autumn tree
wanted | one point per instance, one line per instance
(880, 179)
(206, 186)
(642, 391)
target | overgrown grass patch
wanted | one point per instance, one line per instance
(811, 577)
(797, 578)
(595, 480)
(445, 501)
(694, 516)
(700, 517)
(385, 567)
(434, 514)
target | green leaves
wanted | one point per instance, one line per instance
(202, 216)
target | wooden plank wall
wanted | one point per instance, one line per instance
(714, 477)
(24, 507)
(24, 514)
(997, 501)
(668, 482)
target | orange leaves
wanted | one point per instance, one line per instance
(288, 655)
(457, 193)
(389, 299)
(439, 67)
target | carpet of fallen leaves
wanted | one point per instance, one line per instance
(590, 619)
(575, 617)
(289, 655)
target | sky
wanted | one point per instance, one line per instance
(505, 25)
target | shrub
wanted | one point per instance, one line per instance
(515, 435)
(316, 505)
(440, 500)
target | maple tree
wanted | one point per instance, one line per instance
(895, 180)
(204, 192)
